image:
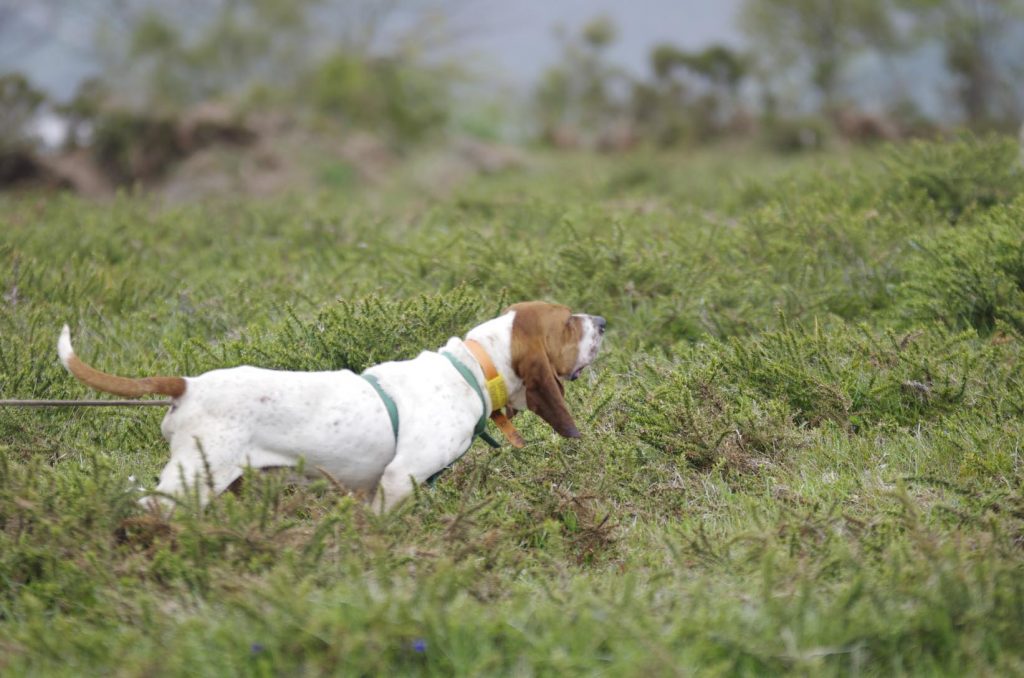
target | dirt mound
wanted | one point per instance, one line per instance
(127, 148)
(213, 123)
(79, 172)
(20, 168)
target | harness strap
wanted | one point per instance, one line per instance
(389, 403)
(481, 426)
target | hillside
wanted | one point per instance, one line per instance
(800, 453)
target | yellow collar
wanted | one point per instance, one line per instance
(498, 391)
(495, 383)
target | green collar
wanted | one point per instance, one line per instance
(467, 374)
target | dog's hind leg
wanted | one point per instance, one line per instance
(196, 468)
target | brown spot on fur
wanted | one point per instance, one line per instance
(545, 344)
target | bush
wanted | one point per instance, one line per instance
(406, 101)
(131, 146)
(750, 403)
(958, 177)
(347, 335)
(971, 276)
(794, 135)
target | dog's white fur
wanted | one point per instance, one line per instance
(246, 416)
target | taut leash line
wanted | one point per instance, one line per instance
(85, 403)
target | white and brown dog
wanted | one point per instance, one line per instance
(408, 421)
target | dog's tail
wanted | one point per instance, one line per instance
(122, 386)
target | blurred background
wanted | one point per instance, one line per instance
(201, 97)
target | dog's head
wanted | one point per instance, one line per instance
(551, 343)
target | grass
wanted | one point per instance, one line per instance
(801, 447)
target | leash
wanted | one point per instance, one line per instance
(85, 403)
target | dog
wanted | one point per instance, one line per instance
(378, 434)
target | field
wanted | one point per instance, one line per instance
(801, 445)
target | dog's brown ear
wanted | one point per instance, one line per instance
(544, 346)
(545, 394)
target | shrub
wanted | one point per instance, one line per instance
(794, 135)
(407, 101)
(958, 177)
(130, 146)
(971, 276)
(746, 403)
(347, 335)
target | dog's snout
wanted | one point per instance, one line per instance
(600, 323)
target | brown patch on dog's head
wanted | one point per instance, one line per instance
(545, 344)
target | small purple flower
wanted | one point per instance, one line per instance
(419, 645)
(256, 648)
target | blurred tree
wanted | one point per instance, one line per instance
(659, 107)
(82, 110)
(722, 71)
(575, 96)
(173, 54)
(817, 38)
(693, 94)
(600, 32)
(168, 55)
(19, 101)
(719, 65)
(406, 101)
(981, 42)
(361, 62)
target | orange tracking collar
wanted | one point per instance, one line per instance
(498, 391)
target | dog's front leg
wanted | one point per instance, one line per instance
(416, 460)
(395, 485)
